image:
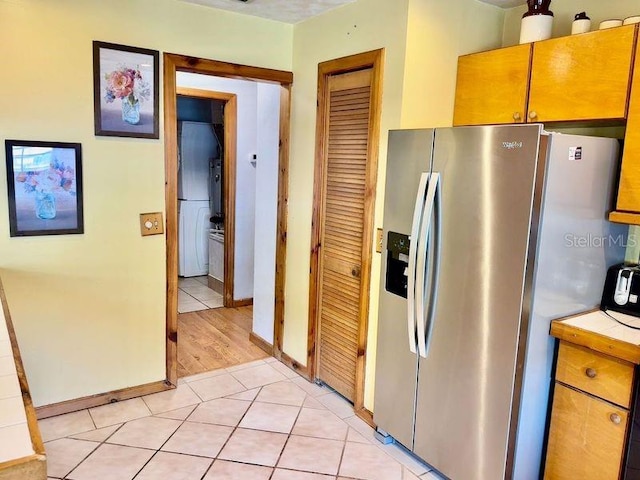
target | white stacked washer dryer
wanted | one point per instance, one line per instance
(198, 147)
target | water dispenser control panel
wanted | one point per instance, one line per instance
(397, 263)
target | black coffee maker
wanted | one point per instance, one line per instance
(621, 291)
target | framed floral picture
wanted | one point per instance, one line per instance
(44, 181)
(125, 91)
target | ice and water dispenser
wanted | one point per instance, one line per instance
(397, 263)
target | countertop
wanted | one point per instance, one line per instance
(22, 453)
(598, 331)
(15, 439)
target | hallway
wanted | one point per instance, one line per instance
(215, 338)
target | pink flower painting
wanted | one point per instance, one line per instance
(125, 91)
(126, 84)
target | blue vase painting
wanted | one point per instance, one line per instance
(45, 205)
(130, 111)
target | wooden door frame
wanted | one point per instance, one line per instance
(374, 60)
(229, 169)
(172, 63)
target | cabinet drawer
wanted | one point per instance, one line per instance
(600, 375)
(586, 437)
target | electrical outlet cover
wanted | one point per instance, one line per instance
(151, 223)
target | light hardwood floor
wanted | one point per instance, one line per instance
(216, 338)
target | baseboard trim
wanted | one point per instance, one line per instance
(367, 416)
(258, 341)
(99, 399)
(243, 302)
(215, 284)
(33, 466)
(295, 366)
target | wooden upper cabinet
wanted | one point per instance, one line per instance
(628, 204)
(582, 77)
(492, 86)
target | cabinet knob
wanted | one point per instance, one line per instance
(533, 115)
(591, 373)
(615, 418)
(517, 117)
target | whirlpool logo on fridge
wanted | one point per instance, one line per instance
(511, 145)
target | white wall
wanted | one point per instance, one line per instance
(245, 172)
(268, 140)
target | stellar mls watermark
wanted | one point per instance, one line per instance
(599, 241)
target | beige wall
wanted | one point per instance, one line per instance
(89, 310)
(423, 39)
(564, 12)
(438, 33)
(355, 28)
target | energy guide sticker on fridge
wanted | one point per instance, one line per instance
(575, 153)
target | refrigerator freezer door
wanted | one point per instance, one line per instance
(576, 246)
(198, 146)
(465, 385)
(409, 156)
(193, 238)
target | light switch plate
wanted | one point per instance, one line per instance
(379, 240)
(151, 224)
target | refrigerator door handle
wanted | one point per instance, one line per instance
(418, 212)
(426, 240)
(436, 247)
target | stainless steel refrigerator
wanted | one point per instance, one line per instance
(489, 234)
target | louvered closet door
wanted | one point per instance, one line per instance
(341, 255)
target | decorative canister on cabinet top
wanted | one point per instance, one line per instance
(537, 22)
(581, 24)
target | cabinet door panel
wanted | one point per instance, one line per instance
(586, 441)
(582, 77)
(629, 190)
(492, 86)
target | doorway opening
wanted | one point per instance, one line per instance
(225, 332)
(206, 143)
(212, 334)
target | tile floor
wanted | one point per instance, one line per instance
(194, 294)
(256, 421)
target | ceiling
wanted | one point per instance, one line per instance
(288, 11)
(505, 3)
(294, 11)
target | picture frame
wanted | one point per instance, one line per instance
(125, 91)
(44, 185)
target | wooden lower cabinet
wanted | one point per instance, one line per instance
(586, 437)
(591, 415)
